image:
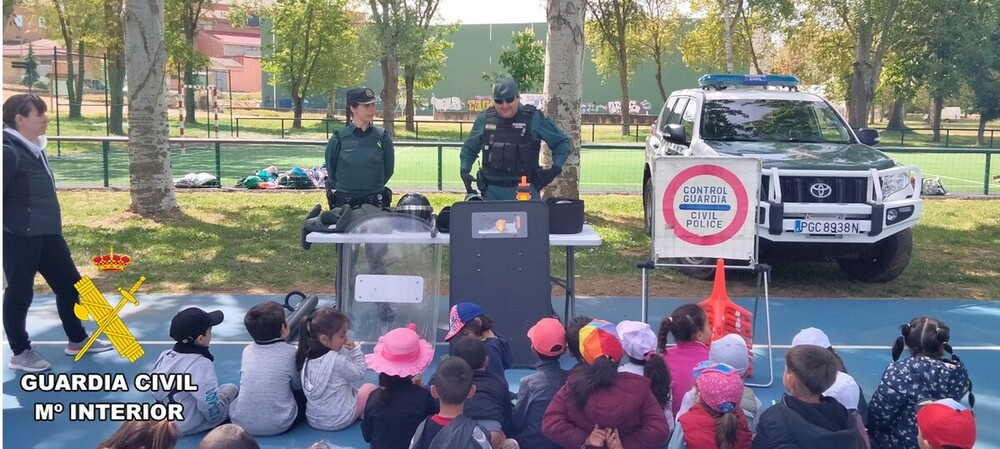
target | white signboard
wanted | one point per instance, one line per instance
(705, 207)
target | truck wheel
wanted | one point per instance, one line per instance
(647, 206)
(887, 260)
(703, 273)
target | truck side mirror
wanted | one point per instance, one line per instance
(675, 133)
(868, 136)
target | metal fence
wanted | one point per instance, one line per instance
(428, 166)
(949, 137)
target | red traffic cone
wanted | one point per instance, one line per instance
(724, 316)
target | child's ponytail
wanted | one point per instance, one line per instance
(305, 340)
(655, 369)
(726, 426)
(599, 375)
(923, 336)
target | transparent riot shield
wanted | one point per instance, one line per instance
(392, 277)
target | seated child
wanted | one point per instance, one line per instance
(146, 434)
(690, 327)
(731, 350)
(548, 342)
(328, 374)
(804, 417)
(449, 428)
(716, 419)
(490, 404)
(600, 406)
(945, 424)
(208, 407)
(926, 374)
(816, 337)
(399, 405)
(573, 340)
(272, 398)
(639, 345)
(229, 436)
(467, 319)
(847, 392)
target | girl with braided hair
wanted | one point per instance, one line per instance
(926, 374)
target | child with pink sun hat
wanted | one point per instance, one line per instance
(400, 403)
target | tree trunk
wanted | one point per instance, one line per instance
(116, 66)
(937, 103)
(151, 184)
(564, 88)
(76, 104)
(623, 80)
(896, 114)
(727, 24)
(408, 80)
(390, 76)
(981, 132)
(297, 110)
(190, 108)
(331, 100)
(659, 77)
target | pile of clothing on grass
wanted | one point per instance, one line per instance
(197, 180)
(296, 178)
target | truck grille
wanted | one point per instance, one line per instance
(797, 189)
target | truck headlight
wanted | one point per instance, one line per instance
(894, 183)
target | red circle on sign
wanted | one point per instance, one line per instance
(709, 170)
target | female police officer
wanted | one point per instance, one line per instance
(359, 157)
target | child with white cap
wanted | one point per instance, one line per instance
(848, 393)
(639, 344)
(731, 349)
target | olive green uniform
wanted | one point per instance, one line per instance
(359, 163)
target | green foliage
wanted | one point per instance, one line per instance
(314, 42)
(30, 68)
(613, 41)
(180, 27)
(523, 61)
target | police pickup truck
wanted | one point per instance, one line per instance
(825, 192)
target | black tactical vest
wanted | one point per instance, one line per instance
(509, 148)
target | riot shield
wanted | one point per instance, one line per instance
(392, 275)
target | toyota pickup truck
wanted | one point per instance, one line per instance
(825, 192)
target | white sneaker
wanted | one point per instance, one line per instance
(98, 346)
(29, 361)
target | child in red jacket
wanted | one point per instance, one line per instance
(716, 420)
(600, 407)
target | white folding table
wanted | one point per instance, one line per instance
(587, 237)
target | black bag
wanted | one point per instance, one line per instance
(565, 215)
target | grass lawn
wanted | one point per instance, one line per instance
(249, 242)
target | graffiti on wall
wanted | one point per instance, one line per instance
(478, 103)
(446, 104)
(593, 108)
(634, 107)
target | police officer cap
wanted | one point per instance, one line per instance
(360, 95)
(504, 89)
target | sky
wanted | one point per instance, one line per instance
(492, 11)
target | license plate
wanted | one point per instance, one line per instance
(828, 227)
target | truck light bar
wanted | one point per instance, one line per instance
(724, 80)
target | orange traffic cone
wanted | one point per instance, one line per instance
(724, 316)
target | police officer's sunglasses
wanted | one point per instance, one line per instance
(502, 101)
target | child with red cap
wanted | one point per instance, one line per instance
(601, 407)
(548, 341)
(945, 424)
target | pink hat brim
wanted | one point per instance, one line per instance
(379, 364)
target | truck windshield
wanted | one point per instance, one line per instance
(772, 120)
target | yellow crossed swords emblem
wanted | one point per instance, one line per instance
(93, 304)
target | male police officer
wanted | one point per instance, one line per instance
(509, 135)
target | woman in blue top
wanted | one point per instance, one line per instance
(359, 157)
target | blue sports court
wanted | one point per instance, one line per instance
(862, 331)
